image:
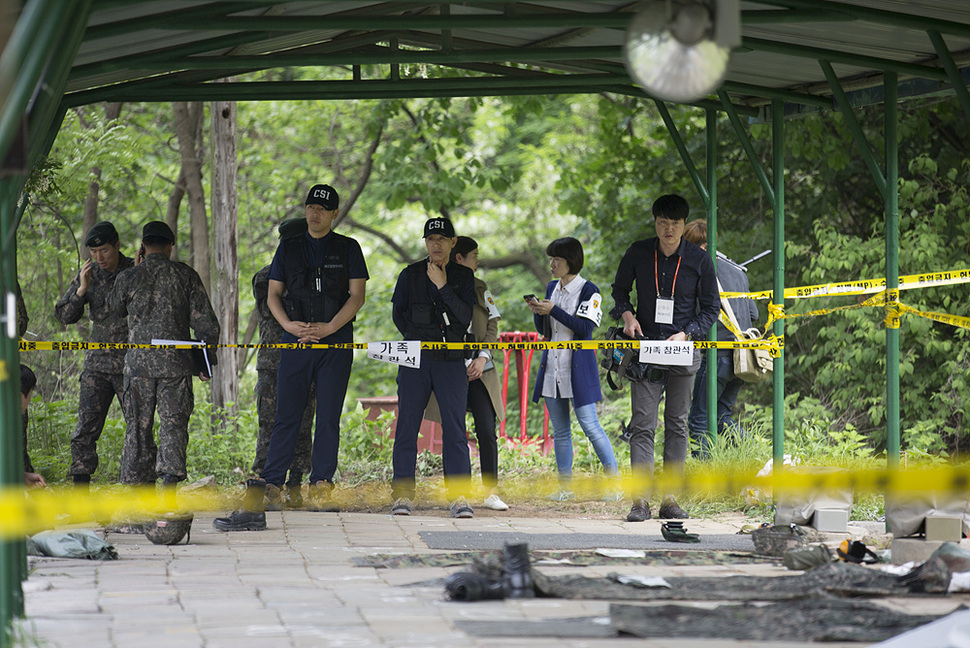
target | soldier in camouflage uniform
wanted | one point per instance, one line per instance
(161, 299)
(103, 376)
(267, 364)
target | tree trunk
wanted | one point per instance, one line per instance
(173, 206)
(225, 381)
(188, 119)
(112, 111)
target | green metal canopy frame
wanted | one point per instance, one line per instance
(795, 56)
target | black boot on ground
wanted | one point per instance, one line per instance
(252, 516)
(518, 571)
(469, 586)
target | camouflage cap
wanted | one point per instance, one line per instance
(101, 234)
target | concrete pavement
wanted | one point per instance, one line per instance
(295, 585)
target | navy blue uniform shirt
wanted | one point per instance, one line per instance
(315, 250)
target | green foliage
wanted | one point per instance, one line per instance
(221, 443)
(365, 447)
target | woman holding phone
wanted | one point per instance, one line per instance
(571, 311)
(484, 394)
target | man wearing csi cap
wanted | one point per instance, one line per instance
(161, 299)
(102, 378)
(317, 284)
(433, 302)
(267, 366)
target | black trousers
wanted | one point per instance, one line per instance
(483, 414)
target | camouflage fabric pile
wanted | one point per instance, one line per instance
(835, 579)
(801, 621)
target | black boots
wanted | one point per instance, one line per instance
(518, 574)
(252, 516)
(514, 580)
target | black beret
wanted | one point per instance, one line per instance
(101, 234)
(158, 229)
(292, 227)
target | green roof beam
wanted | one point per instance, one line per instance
(879, 16)
(742, 134)
(189, 17)
(952, 73)
(845, 58)
(385, 57)
(788, 17)
(170, 53)
(346, 22)
(684, 153)
(854, 127)
(298, 90)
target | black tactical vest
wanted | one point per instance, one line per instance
(316, 294)
(427, 318)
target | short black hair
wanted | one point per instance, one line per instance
(671, 206)
(155, 241)
(464, 246)
(569, 249)
(27, 379)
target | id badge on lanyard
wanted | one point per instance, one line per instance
(665, 306)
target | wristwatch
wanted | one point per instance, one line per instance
(690, 338)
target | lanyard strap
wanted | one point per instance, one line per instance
(656, 274)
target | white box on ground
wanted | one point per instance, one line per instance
(944, 528)
(833, 520)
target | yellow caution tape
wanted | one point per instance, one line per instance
(953, 320)
(26, 512)
(427, 346)
(863, 286)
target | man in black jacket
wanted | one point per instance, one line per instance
(677, 301)
(433, 302)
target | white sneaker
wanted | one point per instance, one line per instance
(495, 503)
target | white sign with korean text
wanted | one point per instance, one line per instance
(406, 353)
(680, 354)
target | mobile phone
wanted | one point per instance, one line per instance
(529, 298)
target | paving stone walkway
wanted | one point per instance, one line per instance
(295, 585)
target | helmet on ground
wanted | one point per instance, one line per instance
(169, 529)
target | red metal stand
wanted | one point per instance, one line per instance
(523, 365)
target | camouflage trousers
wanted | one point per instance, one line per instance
(142, 462)
(97, 391)
(266, 410)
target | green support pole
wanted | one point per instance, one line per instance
(890, 83)
(778, 284)
(29, 68)
(12, 554)
(711, 354)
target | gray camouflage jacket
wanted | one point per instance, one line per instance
(162, 299)
(105, 326)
